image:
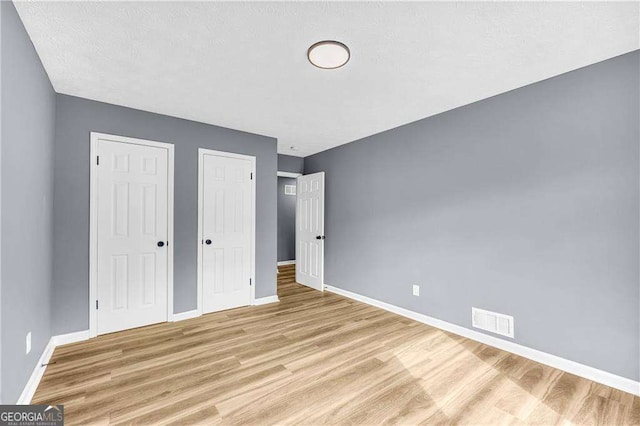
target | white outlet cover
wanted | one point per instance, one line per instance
(28, 342)
(416, 290)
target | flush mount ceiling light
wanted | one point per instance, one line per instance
(328, 54)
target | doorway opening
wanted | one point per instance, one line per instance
(287, 191)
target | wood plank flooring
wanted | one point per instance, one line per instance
(314, 359)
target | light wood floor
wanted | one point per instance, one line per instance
(314, 359)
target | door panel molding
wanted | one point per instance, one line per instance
(202, 152)
(310, 230)
(93, 218)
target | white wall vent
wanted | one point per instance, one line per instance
(289, 190)
(492, 321)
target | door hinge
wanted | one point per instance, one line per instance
(96, 304)
(251, 175)
(97, 160)
(250, 282)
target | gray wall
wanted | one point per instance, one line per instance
(289, 163)
(286, 221)
(28, 114)
(525, 204)
(1, 116)
(75, 119)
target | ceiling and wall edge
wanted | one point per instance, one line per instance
(409, 60)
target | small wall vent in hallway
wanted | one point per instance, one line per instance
(289, 190)
(493, 322)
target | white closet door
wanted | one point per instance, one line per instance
(310, 231)
(132, 231)
(226, 226)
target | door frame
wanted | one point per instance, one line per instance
(93, 221)
(289, 174)
(292, 175)
(201, 153)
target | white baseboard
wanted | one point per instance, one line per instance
(265, 300)
(65, 339)
(38, 371)
(286, 262)
(591, 373)
(186, 315)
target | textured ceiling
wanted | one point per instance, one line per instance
(243, 65)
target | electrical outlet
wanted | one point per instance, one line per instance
(416, 290)
(28, 342)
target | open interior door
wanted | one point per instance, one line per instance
(310, 231)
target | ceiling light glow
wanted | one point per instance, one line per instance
(328, 54)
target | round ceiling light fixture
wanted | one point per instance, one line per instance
(328, 54)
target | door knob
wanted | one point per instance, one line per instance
(160, 243)
(208, 242)
(319, 237)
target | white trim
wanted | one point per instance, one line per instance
(591, 373)
(201, 153)
(289, 174)
(38, 371)
(186, 315)
(287, 262)
(265, 300)
(65, 339)
(93, 222)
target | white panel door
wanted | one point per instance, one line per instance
(226, 231)
(310, 231)
(132, 230)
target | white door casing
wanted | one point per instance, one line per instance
(226, 230)
(310, 230)
(131, 251)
